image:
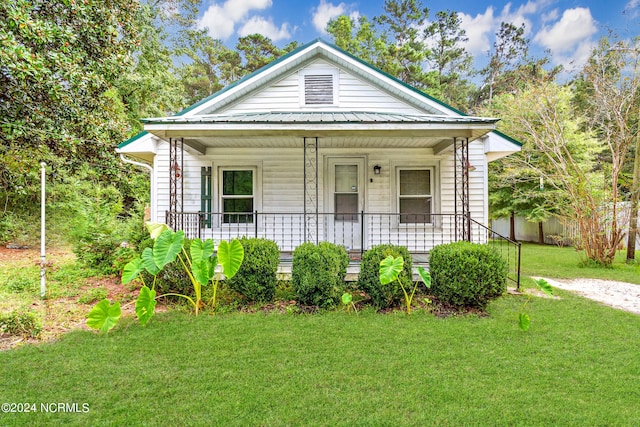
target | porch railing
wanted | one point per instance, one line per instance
(357, 232)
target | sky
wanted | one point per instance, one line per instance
(567, 29)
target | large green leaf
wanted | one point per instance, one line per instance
(104, 316)
(230, 256)
(347, 298)
(524, 321)
(390, 269)
(545, 286)
(201, 250)
(131, 270)
(148, 262)
(145, 305)
(203, 270)
(167, 246)
(156, 229)
(425, 276)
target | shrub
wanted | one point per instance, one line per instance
(317, 273)
(389, 295)
(98, 249)
(21, 322)
(257, 277)
(467, 274)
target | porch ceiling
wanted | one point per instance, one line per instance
(336, 129)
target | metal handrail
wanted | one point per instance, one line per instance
(358, 232)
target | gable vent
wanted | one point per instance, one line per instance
(318, 89)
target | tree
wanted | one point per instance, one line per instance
(509, 48)
(449, 58)
(259, 51)
(213, 65)
(151, 87)
(59, 63)
(402, 29)
(545, 116)
(357, 37)
(609, 95)
(519, 184)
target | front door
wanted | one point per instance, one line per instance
(345, 201)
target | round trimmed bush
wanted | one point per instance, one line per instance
(390, 295)
(317, 273)
(257, 277)
(467, 274)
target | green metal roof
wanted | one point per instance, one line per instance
(319, 117)
(132, 139)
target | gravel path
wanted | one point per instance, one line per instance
(622, 295)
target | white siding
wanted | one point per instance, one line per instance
(354, 95)
(280, 173)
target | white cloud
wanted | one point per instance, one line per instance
(221, 19)
(481, 28)
(574, 27)
(266, 27)
(216, 21)
(325, 12)
(478, 29)
(632, 9)
(550, 16)
(570, 39)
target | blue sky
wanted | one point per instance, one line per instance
(567, 28)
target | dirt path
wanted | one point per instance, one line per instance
(621, 295)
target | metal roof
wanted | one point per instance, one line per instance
(320, 117)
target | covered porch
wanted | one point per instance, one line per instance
(340, 178)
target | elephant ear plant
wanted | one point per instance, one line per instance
(199, 264)
(390, 269)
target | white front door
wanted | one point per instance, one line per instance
(345, 201)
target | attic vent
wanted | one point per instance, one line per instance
(318, 89)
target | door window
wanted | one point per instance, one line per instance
(346, 193)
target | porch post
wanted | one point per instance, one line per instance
(311, 223)
(461, 189)
(176, 182)
(455, 187)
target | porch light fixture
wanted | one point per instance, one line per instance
(377, 169)
(470, 167)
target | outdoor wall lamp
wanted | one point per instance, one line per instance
(377, 169)
(470, 167)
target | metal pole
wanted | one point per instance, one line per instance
(43, 256)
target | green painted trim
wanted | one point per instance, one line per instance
(132, 139)
(508, 138)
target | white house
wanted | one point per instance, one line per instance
(319, 145)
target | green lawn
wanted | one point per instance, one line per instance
(579, 364)
(565, 263)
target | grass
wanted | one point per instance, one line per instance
(579, 364)
(340, 369)
(567, 263)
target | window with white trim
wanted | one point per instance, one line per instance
(237, 195)
(415, 195)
